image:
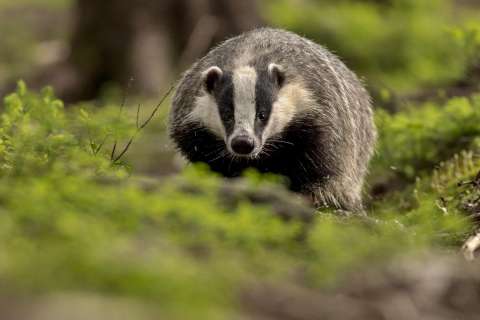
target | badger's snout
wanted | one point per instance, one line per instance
(242, 145)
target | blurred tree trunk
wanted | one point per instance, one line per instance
(147, 40)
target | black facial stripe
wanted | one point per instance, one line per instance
(303, 159)
(266, 92)
(224, 95)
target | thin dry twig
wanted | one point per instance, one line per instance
(122, 106)
(139, 127)
(157, 107)
(100, 146)
(137, 122)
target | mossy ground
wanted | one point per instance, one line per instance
(73, 220)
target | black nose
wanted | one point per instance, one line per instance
(242, 145)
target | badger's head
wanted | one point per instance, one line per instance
(247, 106)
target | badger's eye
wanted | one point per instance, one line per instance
(262, 116)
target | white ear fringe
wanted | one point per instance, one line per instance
(210, 77)
(274, 68)
(214, 70)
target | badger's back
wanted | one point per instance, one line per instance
(329, 140)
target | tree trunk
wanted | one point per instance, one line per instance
(148, 41)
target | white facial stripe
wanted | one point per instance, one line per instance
(293, 98)
(206, 111)
(244, 80)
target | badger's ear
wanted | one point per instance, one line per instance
(277, 73)
(211, 77)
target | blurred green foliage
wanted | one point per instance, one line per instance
(71, 220)
(412, 142)
(399, 45)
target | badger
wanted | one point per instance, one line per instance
(272, 100)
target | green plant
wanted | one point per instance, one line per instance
(413, 142)
(398, 45)
(71, 220)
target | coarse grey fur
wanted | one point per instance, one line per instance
(335, 127)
